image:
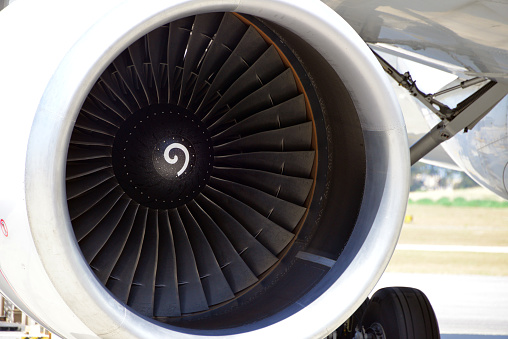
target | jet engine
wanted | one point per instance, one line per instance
(194, 168)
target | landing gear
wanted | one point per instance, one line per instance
(392, 313)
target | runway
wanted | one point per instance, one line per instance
(452, 248)
(466, 306)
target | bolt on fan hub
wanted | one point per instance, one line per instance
(162, 156)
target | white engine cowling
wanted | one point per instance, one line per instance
(284, 212)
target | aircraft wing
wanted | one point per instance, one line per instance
(465, 40)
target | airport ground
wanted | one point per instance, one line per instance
(458, 256)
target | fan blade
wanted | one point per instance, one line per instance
(157, 49)
(291, 112)
(237, 273)
(92, 243)
(124, 66)
(266, 68)
(142, 66)
(167, 299)
(76, 169)
(99, 111)
(294, 138)
(120, 281)
(292, 189)
(297, 164)
(192, 296)
(87, 221)
(228, 36)
(179, 33)
(86, 201)
(113, 81)
(141, 296)
(203, 31)
(104, 262)
(248, 50)
(102, 94)
(282, 212)
(79, 137)
(78, 153)
(280, 89)
(90, 123)
(255, 255)
(214, 283)
(83, 184)
(271, 235)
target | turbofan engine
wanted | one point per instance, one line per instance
(194, 168)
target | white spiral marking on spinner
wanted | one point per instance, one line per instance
(174, 160)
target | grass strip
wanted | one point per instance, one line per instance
(459, 202)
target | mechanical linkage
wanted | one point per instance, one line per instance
(463, 117)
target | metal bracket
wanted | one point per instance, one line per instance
(463, 117)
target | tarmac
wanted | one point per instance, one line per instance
(466, 306)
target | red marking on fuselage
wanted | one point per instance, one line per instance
(3, 226)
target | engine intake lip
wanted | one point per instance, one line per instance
(365, 256)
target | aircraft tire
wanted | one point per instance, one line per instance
(402, 312)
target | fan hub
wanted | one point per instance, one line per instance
(162, 156)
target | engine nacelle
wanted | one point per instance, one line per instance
(198, 168)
